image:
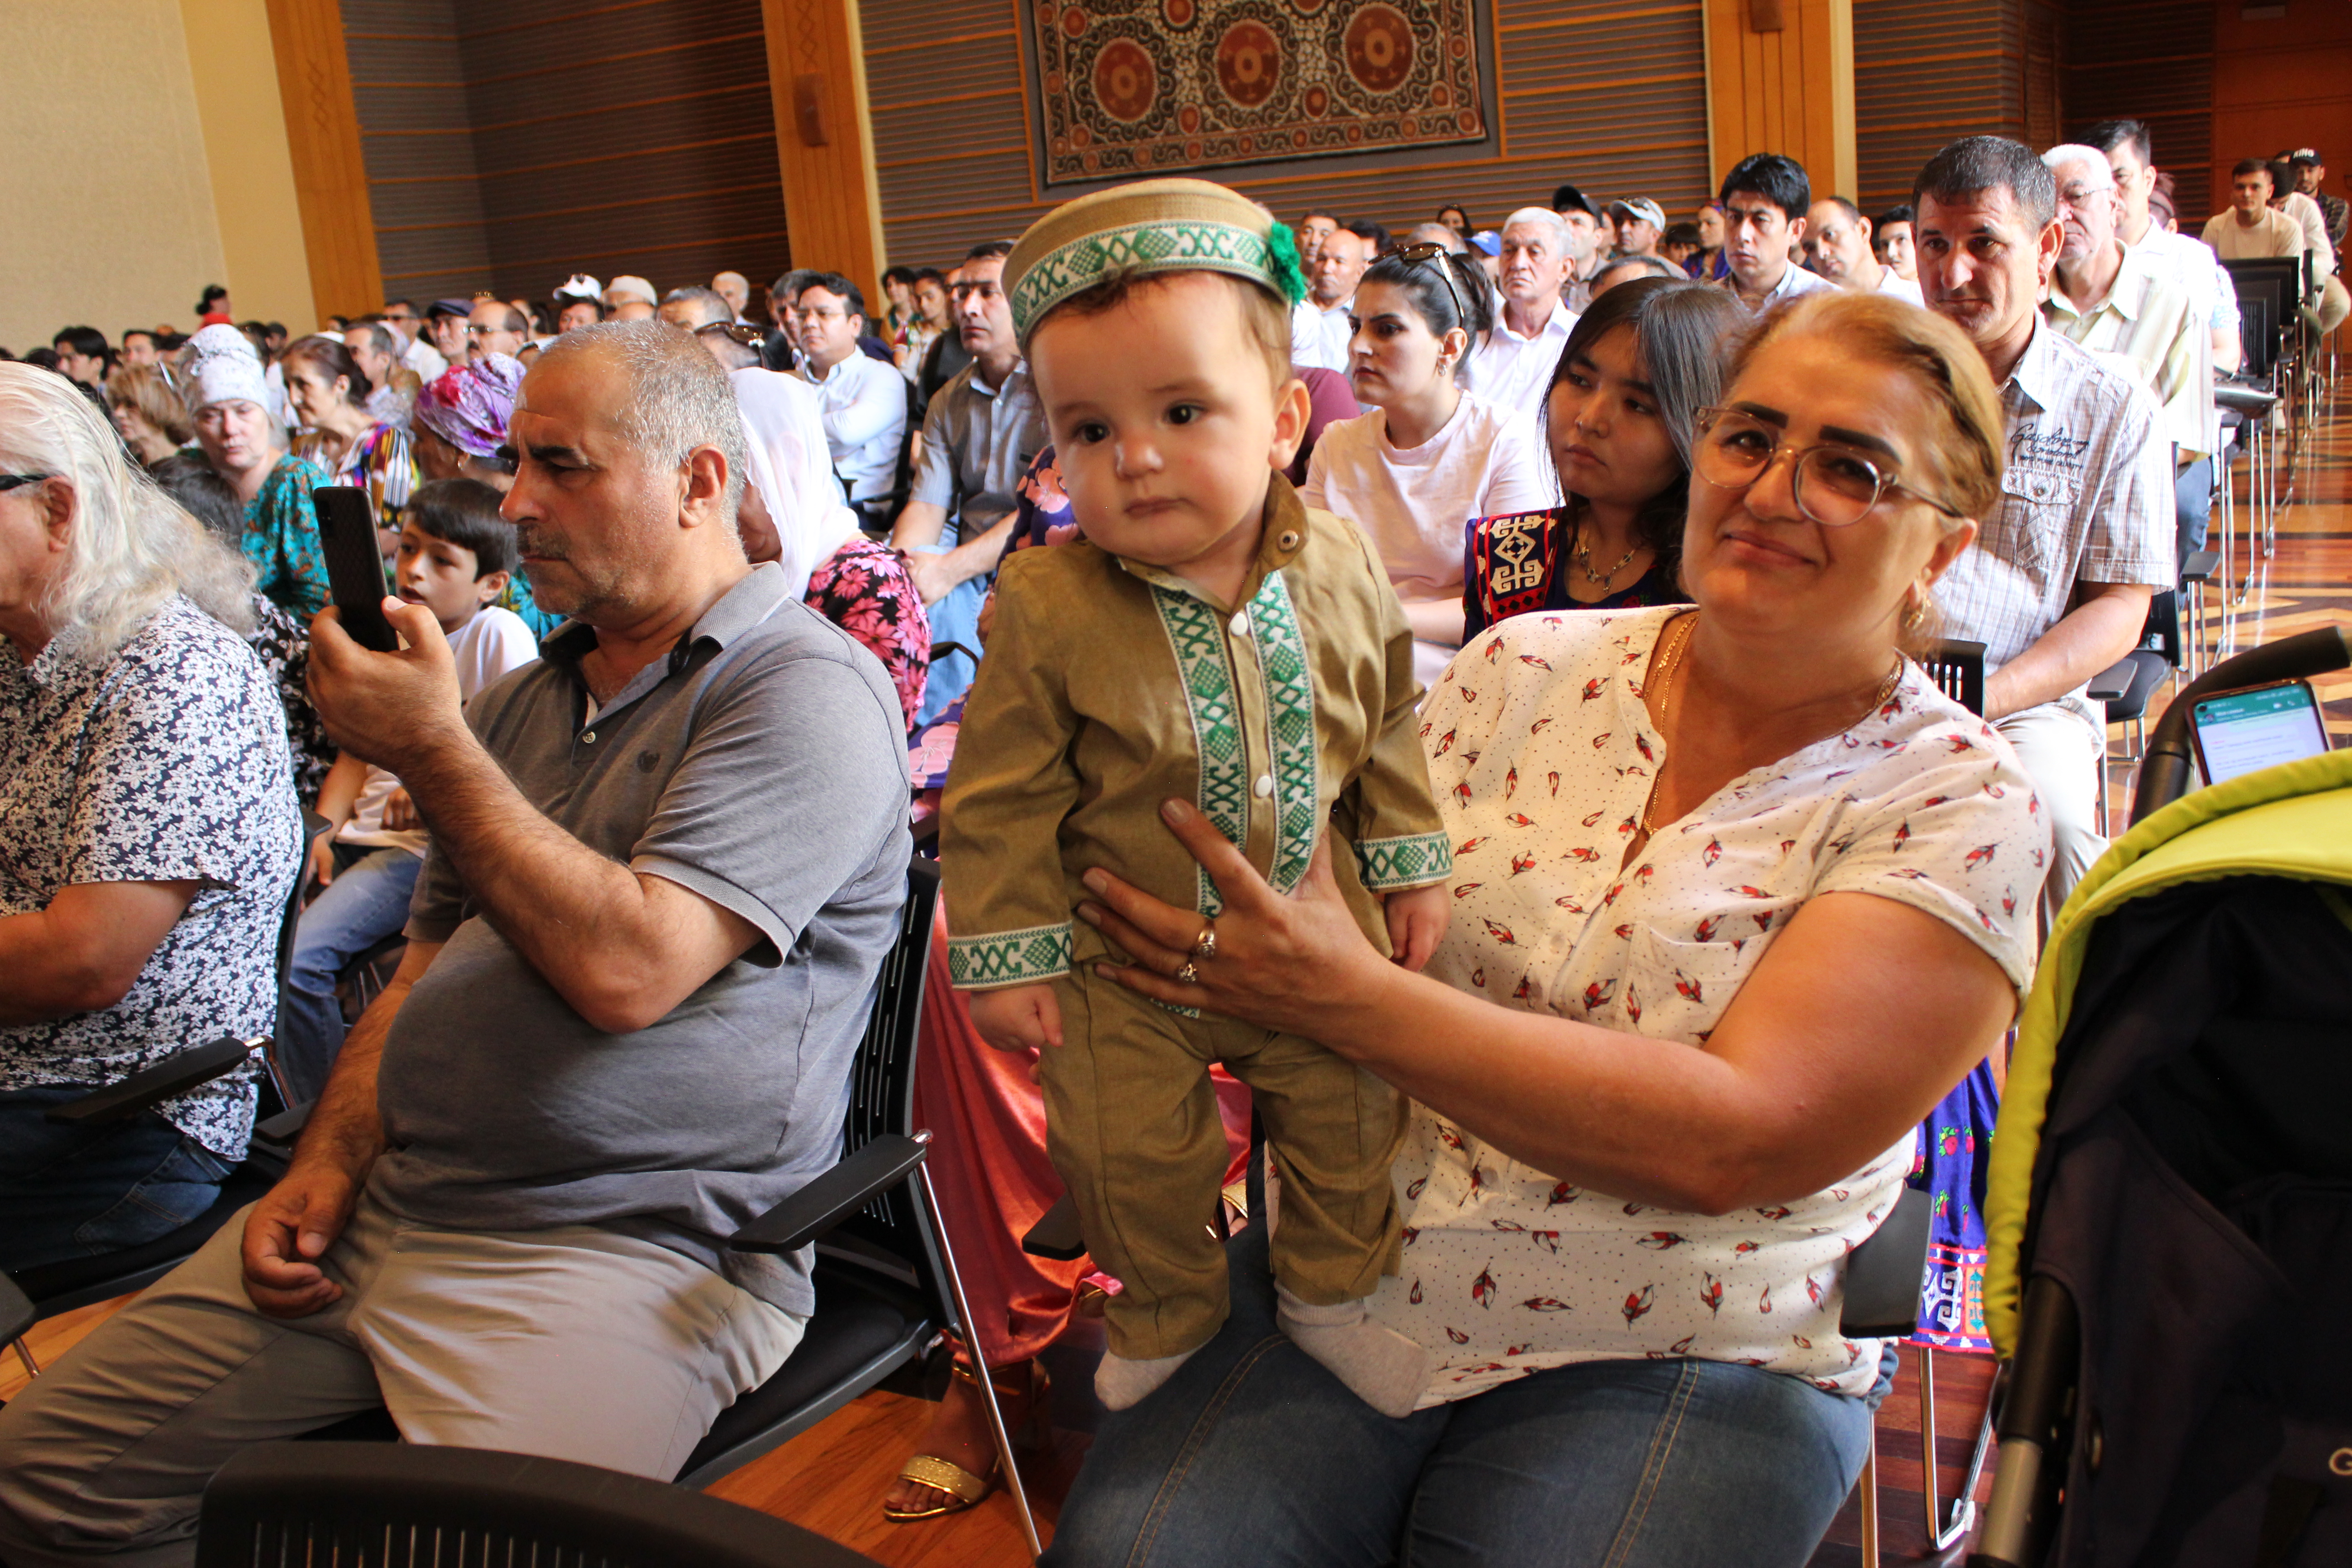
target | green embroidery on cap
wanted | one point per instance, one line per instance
(1167, 245)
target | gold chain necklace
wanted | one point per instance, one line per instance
(1666, 699)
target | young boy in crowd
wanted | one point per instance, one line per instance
(1213, 640)
(455, 557)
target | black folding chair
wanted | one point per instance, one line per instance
(423, 1508)
(1956, 667)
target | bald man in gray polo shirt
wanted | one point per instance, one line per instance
(667, 861)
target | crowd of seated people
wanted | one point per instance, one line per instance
(681, 574)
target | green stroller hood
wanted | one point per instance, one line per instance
(2293, 820)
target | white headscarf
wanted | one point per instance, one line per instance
(793, 469)
(222, 368)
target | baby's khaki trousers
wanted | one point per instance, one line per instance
(1133, 1130)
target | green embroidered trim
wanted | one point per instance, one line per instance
(1196, 636)
(1165, 246)
(1387, 864)
(1009, 958)
(1289, 685)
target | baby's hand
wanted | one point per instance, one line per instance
(1019, 1017)
(1416, 919)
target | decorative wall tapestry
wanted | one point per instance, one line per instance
(1148, 87)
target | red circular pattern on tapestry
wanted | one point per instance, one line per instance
(1379, 48)
(1074, 21)
(1179, 13)
(1126, 82)
(1249, 63)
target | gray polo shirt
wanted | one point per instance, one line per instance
(763, 764)
(978, 440)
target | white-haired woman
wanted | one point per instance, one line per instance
(149, 834)
(229, 398)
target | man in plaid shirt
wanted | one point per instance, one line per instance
(2057, 586)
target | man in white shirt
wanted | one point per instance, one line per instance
(864, 400)
(1318, 324)
(2251, 227)
(2058, 584)
(2333, 304)
(1513, 364)
(1765, 199)
(2106, 301)
(1837, 244)
(415, 353)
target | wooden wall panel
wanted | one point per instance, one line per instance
(2151, 60)
(1931, 71)
(1608, 94)
(512, 142)
(824, 136)
(322, 135)
(2281, 82)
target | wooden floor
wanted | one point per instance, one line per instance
(832, 1479)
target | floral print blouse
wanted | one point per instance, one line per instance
(1542, 755)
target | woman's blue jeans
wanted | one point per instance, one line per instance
(1253, 1453)
(367, 901)
(73, 1192)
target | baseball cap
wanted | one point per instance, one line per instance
(463, 307)
(629, 287)
(1641, 207)
(1567, 198)
(1486, 242)
(2305, 155)
(579, 285)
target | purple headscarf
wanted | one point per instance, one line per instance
(469, 405)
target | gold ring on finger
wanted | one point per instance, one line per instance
(1188, 976)
(1205, 944)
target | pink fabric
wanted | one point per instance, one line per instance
(989, 1165)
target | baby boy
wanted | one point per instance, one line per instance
(1213, 640)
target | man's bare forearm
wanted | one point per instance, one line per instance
(978, 556)
(344, 1128)
(583, 921)
(2090, 636)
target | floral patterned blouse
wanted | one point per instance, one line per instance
(166, 763)
(1542, 754)
(282, 538)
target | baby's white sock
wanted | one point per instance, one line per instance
(1119, 1382)
(1386, 1370)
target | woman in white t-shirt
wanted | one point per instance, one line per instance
(1739, 894)
(455, 557)
(1429, 456)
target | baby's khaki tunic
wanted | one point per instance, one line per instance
(1109, 686)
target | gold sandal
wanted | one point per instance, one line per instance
(959, 1486)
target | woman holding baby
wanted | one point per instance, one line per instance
(1737, 895)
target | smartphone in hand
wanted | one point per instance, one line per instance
(354, 569)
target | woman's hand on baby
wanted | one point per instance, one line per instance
(1286, 961)
(1023, 1018)
(1416, 918)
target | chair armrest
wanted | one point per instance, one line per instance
(2200, 567)
(1057, 1234)
(17, 1310)
(1884, 1273)
(2111, 683)
(150, 1087)
(834, 1197)
(280, 1131)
